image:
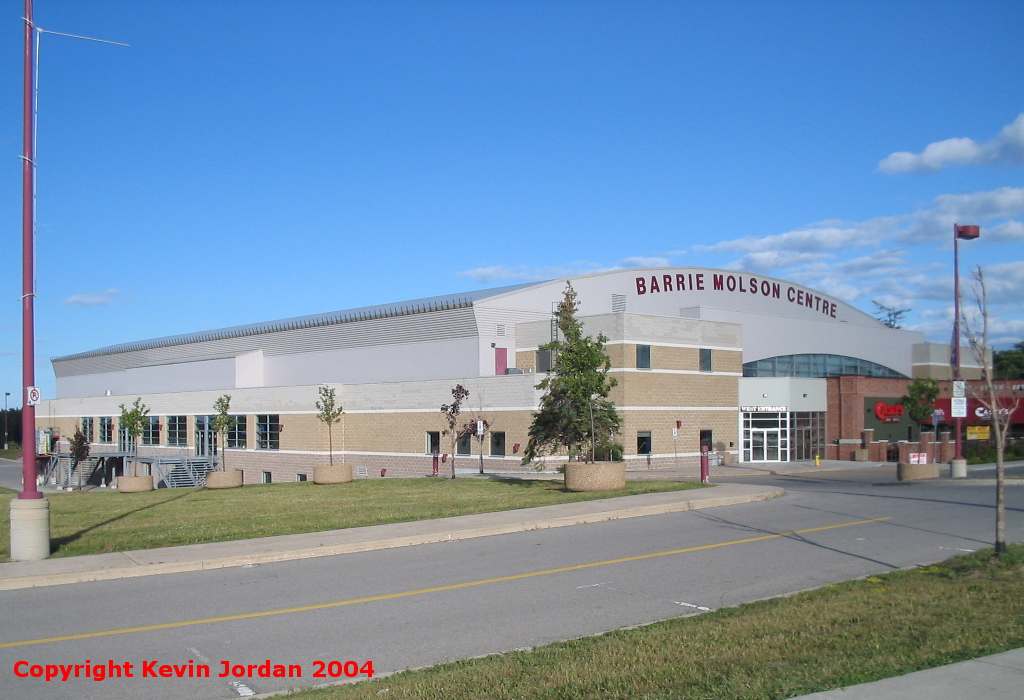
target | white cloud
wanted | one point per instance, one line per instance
(1008, 146)
(527, 273)
(92, 299)
(936, 223)
(1004, 283)
(640, 261)
(6, 353)
(1007, 231)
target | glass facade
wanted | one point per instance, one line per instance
(782, 437)
(817, 366)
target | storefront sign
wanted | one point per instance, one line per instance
(738, 284)
(918, 458)
(888, 413)
(979, 432)
(764, 409)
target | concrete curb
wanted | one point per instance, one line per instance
(218, 555)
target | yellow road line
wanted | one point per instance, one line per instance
(435, 589)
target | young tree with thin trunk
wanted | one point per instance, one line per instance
(222, 424)
(133, 421)
(1000, 409)
(330, 413)
(450, 413)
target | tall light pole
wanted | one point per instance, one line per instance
(6, 394)
(958, 467)
(30, 512)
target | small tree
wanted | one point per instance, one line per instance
(919, 401)
(889, 315)
(1000, 409)
(79, 449)
(222, 424)
(133, 422)
(575, 411)
(450, 415)
(329, 413)
(1009, 364)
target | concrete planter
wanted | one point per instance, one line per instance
(861, 455)
(134, 484)
(231, 479)
(915, 472)
(336, 474)
(598, 476)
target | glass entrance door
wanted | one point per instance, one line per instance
(765, 437)
(764, 445)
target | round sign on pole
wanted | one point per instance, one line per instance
(33, 396)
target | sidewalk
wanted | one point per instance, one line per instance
(997, 677)
(216, 555)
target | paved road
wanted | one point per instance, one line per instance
(391, 616)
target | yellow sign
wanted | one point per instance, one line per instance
(979, 432)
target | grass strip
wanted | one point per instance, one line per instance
(839, 635)
(97, 522)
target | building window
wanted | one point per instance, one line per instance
(498, 444)
(177, 435)
(545, 360)
(268, 432)
(106, 429)
(238, 435)
(87, 429)
(464, 445)
(151, 431)
(300, 477)
(643, 356)
(705, 359)
(643, 442)
(433, 441)
(817, 365)
(267, 478)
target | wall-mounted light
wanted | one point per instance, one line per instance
(765, 396)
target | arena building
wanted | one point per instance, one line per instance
(733, 361)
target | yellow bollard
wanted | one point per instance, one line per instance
(817, 460)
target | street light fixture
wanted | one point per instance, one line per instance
(958, 467)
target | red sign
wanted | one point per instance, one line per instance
(888, 413)
(977, 413)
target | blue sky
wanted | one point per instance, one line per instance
(246, 161)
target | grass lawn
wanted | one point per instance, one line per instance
(10, 454)
(96, 522)
(839, 635)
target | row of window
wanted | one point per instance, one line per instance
(643, 358)
(268, 431)
(644, 443)
(464, 445)
(817, 365)
(546, 360)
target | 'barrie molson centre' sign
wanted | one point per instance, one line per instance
(738, 284)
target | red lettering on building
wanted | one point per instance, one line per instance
(641, 285)
(888, 413)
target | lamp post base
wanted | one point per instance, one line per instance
(30, 529)
(958, 468)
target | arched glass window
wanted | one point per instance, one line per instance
(817, 365)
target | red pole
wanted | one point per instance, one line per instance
(958, 452)
(28, 350)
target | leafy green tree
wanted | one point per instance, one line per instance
(222, 423)
(919, 401)
(1009, 364)
(133, 420)
(575, 413)
(330, 413)
(79, 449)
